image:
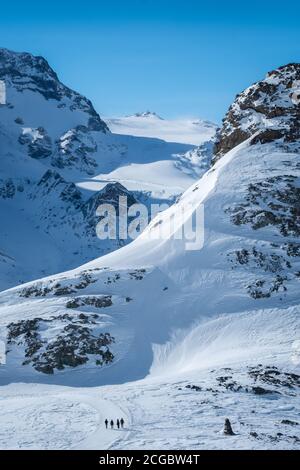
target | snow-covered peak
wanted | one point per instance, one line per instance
(269, 108)
(183, 130)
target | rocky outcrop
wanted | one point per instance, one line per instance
(101, 301)
(147, 114)
(62, 201)
(76, 147)
(273, 201)
(53, 183)
(40, 289)
(271, 204)
(76, 342)
(68, 138)
(270, 109)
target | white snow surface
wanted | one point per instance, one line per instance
(180, 318)
(38, 133)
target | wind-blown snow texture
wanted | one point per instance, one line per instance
(167, 335)
(56, 156)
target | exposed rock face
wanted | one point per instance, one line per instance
(270, 108)
(147, 114)
(274, 201)
(76, 147)
(63, 126)
(269, 111)
(52, 183)
(110, 194)
(7, 188)
(227, 428)
(39, 144)
(23, 71)
(270, 204)
(58, 289)
(75, 212)
(98, 302)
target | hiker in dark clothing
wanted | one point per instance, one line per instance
(111, 424)
(118, 424)
(122, 423)
(106, 423)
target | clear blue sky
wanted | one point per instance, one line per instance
(178, 58)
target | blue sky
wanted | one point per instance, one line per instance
(178, 58)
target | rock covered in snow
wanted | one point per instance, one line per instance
(226, 314)
(148, 114)
(227, 428)
(270, 108)
(77, 213)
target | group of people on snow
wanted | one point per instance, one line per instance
(120, 423)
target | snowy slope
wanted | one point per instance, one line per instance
(45, 126)
(148, 124)
(207, 337)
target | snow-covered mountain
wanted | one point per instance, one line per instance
(216, 327)
(56, 157)
(268, 108)
(150, 124)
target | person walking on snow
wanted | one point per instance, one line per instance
(122, 423)
(106, 423)
(118, 424)
(111, 424)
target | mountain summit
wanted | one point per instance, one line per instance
(270, 108)
(148, 114)
(48, 119)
